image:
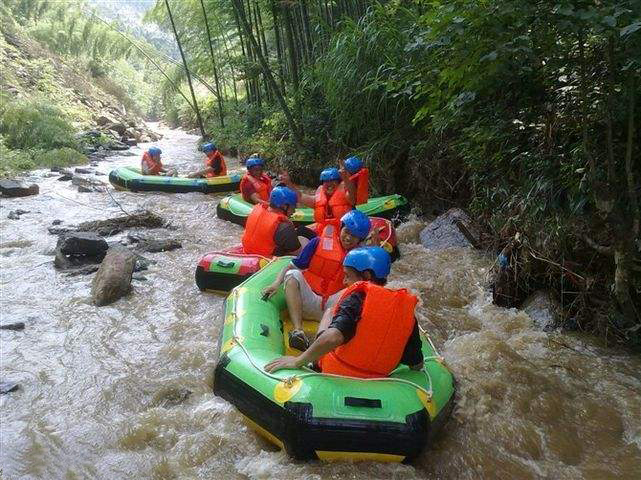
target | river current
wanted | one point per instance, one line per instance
(125, 391)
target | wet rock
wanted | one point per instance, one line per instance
(57, 221)
(453, 229)
(116, 145)
(83, 270)
(59, 230)
(118, 127)
(62, 170)
(66, 177)
(83, 170)
(140, 278)
(15, 214)
(82, 243)
(103, 120)
(113, 279)
(153, 245)
(143, 263)
(17, 326)
(7, 387)
(543, 309)
(131, 142)
(139, 219)
(13, 188)
(86, 185)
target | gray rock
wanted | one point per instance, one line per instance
(103, 120)
(82, 243)
(85, 270)
(543, 309)
(113, 279)
(453, 229)
(12, 188)
(153, 245)
(143, 263)
(118, 127)
(66, 177)
(13, 326)
(56, 222)
(6, 387)
(83, 170)
(15, 214)
(87, 184)
(116, 145)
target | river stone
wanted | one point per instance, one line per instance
(113, 279)
(87, 184)
(543, 309)
(13, 188)
(16, 326)
(6, 387)
(153, 245)
(83, 170)
(15, 214)
(82, 243)
(453, 229)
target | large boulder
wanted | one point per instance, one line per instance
(103, 120)
(453, 229)
(118, 127)
(13, 188)
(82, 243)
(113, 279)
(543, 309)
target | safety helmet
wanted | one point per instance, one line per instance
(330, 174)
(357, 223)
(254, 162)
(282, 196)
(375, 259)
(154, 151)
(209, 147)
(353, 164)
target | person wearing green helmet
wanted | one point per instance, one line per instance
(370, 330)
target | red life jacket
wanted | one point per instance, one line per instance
(209, 162)
(361, 180)
(386, 323)
(325, 272)
(261, 225)
(333, 207)
(153, 167)
(262, 185)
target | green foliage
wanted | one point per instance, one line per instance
(13, 160)
(27, 124)
(61, 157)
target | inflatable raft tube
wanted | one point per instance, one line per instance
(221, 271)
(234, 209)
(317, 416)
(130, 178)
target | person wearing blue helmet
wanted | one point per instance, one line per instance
(313, 280)
(333, 198)
(268, 229)
(359, 176)
(215, 165)
(151, 163)
(255, 186)
(370, 330)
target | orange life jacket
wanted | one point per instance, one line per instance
(386, 323)
(325, 272)
(153, 167)
(261, 225)
(262, 185)
(361, 180)
(209, 162)
(333, 207)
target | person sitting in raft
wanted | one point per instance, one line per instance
(334, 197)
(151, 164)
(313, 280)
(370, 330)
(268, 230)
(359, 176)
(255, 184)
(214, 163)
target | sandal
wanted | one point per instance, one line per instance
(298, 340)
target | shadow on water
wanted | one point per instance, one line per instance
(124, 391)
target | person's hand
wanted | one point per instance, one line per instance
(342, 170)
(269, 291)
(282, 362)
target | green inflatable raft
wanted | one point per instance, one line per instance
(236, 210)
(130, 178)
(318, 416)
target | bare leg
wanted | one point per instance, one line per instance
(294, 303)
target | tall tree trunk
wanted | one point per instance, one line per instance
(267, 72)
(191, 87)
(213, 62)
(244, 51)
(279, 46)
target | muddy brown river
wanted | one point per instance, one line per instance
(124, 391)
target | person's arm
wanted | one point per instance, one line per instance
(271, 289)
(350, 187)
(325, 343)
(286, 240)
(255, 199)
(412, 354)
(303, 198)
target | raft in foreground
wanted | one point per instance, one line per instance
(313, 415)
(236, 210)
(130, 178)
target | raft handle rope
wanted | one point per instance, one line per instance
(289, 380)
